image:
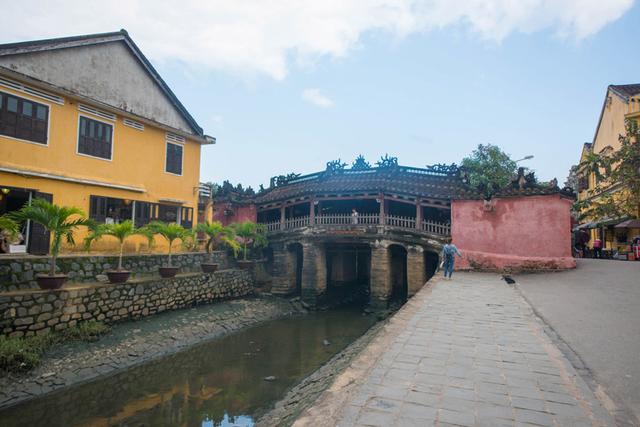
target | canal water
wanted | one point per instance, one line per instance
(216, 384)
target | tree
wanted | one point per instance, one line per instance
(250, 234)
(218, 234)
(120, 231)
(489, 169)
(170, 231)
(59, 220)
(617, 172)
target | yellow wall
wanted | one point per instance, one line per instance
(138, 160)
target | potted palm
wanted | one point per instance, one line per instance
(171, 232)
(60, 221)
(249, 235)
(121, 232)
(216, 234)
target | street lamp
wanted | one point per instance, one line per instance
(529, 157)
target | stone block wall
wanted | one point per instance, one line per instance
(19, 272)
(24, 313)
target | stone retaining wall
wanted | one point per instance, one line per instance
(24, 313)
(19, 272)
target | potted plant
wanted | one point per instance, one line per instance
(121, 232)
(9, 232)
(249, 234)
(216, 234)
(60, 222)
(171, 232)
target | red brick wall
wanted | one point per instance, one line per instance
(239, 213)
(527, 232)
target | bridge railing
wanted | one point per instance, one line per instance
(433, 227)
(345, 220)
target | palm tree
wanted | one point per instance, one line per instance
(218, 233)
(170, 231)
(120, 231)
(250, 233)
(56, 219)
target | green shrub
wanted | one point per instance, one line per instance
(86, 331)
(24, 354)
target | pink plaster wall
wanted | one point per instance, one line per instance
(241, 213)
(521, 233)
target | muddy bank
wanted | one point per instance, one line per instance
(305, 393)
(135, 343)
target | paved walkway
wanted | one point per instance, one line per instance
(467, 352)
(594, 309)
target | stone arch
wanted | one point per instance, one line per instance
(398, 256)
(431, 262)
(295, 253)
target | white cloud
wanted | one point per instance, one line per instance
(256, 36)
(314, 96)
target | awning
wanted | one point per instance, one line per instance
(586, 226)
(630, 223)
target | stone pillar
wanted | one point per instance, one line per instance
(416, 270)
(382, 212)
(314, 273)
(283, 263)
(380, 276)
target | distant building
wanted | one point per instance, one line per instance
(621, 102)
(88, 122)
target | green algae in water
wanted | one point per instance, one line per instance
(216, 384)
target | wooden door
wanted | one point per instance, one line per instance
(39, 238)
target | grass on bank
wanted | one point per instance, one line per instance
(24, 354)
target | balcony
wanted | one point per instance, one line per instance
(347, 221)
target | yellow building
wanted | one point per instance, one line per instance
(88, 122)
(621, 102)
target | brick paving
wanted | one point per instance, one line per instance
(466, 352)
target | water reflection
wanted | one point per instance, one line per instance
(217, 384)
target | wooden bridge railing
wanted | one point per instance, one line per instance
(345, 220)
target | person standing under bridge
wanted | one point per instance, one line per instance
(449, 250)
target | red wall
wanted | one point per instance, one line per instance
(240, 213)
(526, 232)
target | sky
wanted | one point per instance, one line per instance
(288, 85)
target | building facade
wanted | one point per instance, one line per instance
(88, 122)
(621, 103)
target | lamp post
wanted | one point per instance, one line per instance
(529, 157)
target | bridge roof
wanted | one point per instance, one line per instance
(401, 180)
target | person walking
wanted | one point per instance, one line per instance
(597, 248)
(448, 252)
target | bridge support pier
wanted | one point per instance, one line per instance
(380, 277)
(416, 270)
(283, 272)
(314, 273)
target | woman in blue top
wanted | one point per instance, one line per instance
(448, 252)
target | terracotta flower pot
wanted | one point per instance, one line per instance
(51, 282)
(245, 265)
(168, 272)
(118, 276)
(209, 267)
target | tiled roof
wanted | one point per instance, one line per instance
(626, 90)
(398, 180)
(20, 48)
(538, 190)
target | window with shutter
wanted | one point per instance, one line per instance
(23, 119)
(174, 158)
(95, 138)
